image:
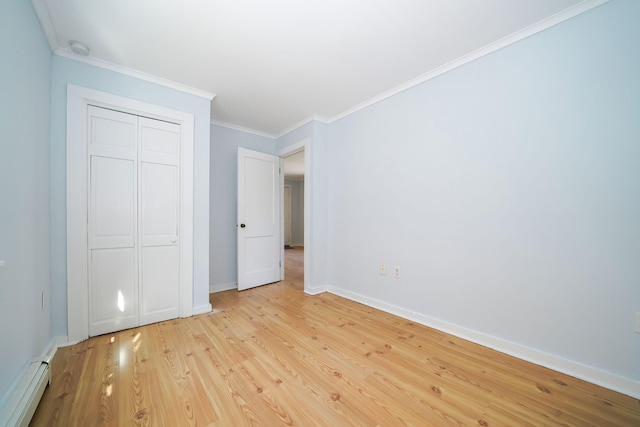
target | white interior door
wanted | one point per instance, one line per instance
(134, 271)
(259, 221)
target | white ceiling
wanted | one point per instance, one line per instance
(274, 64)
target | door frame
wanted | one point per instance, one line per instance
(284, 214)
(78, 98)
(305, 145)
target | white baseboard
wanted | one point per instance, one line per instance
(12, 388)
(569, 367)
(202, 309)
(46, 355)
(18, 410)
(315, 290)
(63, 341)
(222, 287)
(53, 346)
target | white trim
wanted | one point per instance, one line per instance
(65, 342)
(316, 291)
(305, 145)
(42, 11)
(539, 26)
(281, 191)
(77, 100)
(101, 63)
(54, 345)
(313, 117)
(569, 367)
(242, 129)
(202, 309)
(25, 397)
(283, 213)
(46, 356)
(187, 146)
(222, 287)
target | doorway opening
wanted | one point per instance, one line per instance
(296, 214)
(293, 217)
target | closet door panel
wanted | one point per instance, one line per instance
(112, 133)
(160, 140)
(112, 213)
(112, 201)
(158, 204)
(159, 275)
(158, 221)
(113, 296)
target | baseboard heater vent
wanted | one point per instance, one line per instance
(22, 404)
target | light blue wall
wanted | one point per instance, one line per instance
(25, 71)
(66, 71)
(508, 191)
(297, 211)
(223, 243)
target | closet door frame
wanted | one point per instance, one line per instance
(78, 100)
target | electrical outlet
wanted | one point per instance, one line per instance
(637, 328)
(383, 269)
(396, 272)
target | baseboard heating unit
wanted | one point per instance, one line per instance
(22, 404)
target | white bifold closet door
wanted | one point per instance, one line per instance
(133, 234)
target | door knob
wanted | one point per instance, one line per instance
(242, 226)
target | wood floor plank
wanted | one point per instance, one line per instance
(213, 375)
(57, 401)
(274, 356)
(164, 384)
(97, 385)
(131, 363)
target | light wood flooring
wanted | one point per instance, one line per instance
(274, 356)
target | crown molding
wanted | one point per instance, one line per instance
(242, 129)
(100, 63)
(312, 118)
(293, 127)
(539, 26)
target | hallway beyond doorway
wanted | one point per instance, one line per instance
(294, 267)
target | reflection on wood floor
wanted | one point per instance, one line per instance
(274, 356)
